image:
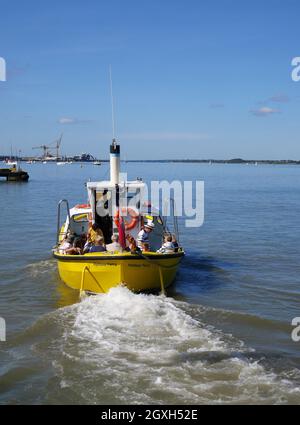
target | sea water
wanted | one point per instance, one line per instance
(223, 333)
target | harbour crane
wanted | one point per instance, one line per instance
(46, 148)
(58, 143)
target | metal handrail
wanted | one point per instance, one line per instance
(175, 220)
(58, 217)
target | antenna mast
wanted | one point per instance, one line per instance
(112, 106)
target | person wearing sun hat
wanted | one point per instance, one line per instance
(143, 236)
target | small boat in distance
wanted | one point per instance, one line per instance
(96, 163)
(98, 272)
(14, 172)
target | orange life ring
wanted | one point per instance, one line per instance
(134, 218)
(82, 206)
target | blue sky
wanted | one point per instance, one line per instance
(192, 79)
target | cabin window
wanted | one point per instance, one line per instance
(79, 223)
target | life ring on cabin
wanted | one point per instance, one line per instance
(82, 206)
(134, 218)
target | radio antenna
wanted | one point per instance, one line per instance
(112, 106)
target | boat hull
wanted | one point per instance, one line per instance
(14, 176)
(98, 273)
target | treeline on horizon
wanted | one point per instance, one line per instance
(223, 161)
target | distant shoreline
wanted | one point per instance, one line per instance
(222, 161)
(186, 161)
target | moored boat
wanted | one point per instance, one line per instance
(110, 207)
(14, 172)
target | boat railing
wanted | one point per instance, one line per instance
(59, 233)
(171, 226)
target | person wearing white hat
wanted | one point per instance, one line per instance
(143, 236)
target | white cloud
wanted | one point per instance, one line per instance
(70, 120)
(264, 111)
(65, 120)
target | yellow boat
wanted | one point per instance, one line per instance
(98, 272)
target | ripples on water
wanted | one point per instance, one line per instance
(223, 335)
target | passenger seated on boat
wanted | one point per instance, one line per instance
(66, 244)
(77, 247)
(168, 246)
(145, 247)
(98, 245)
(143, 236)
(93, 232)
(87, 246)
(80, 241)
(114, 246)
(70, 246)
(175, 243)
(133, 248)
